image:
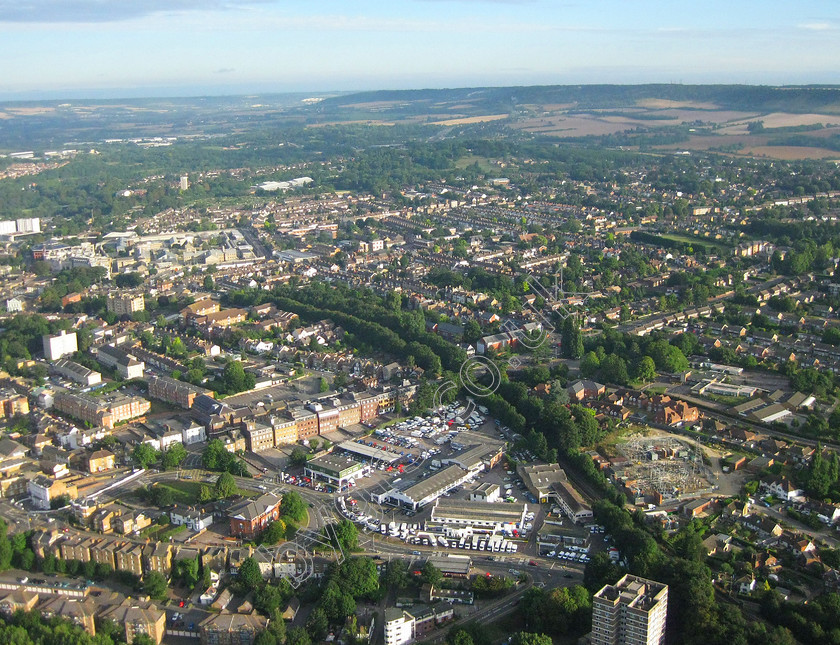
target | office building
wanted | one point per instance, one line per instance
(630, 612)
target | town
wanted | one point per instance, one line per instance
(511, 393)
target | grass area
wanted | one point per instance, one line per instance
(183, 492)
(172, 530)
(159, 407)
(152, 530)
(717, 247)
(483, 162)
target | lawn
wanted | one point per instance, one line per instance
(717, 247)
(183, 492)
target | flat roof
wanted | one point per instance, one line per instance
(437, 482)
(368, 452)
(334, 464)
(499, 512)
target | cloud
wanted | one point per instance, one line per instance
(91, 11)
(817, 26)
(224, 70)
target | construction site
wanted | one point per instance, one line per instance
(661, 468)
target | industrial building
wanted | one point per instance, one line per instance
(369, 453)
(336, 470)
(477, 514)
(572, 503)
(540, 478)
(426, 490)
(77, 373)
(630, 612)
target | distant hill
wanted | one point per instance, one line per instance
(760, 98)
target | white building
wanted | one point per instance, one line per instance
(630, 612)
(195, 519)
(14, 305)
(399, 626)
(60, 345)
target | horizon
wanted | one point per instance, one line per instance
(144, 48)
(222, 92)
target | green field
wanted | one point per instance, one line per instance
(718, 247)
(468, 160)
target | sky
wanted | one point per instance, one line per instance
(129, 48)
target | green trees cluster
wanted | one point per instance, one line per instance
(561, 611)
(491, 586)
(217, 457)
(234, 379)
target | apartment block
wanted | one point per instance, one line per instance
(126, 304)
(630, 612)
(176, 392)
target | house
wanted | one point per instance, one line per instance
(782, 488)
(745, 585)
(196, 519)
(585, 389)
(291, 609)
(100, 461)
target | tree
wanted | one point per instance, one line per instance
(614, 369)
(323, 386)
(645, 369)
(293, 506)
(589, 365)
(155, 585)
(144, 455)
(187, 571)
(275, 532)
(318, 625)
(174, 455)
(571, 338)
(298, 456)
(345, 535)
(530, 638)
(143, 639)
(249, 576)
(431, 574)
(396, 574)
(208, 283)
(235, 379)
(298, 636)
(225, 486)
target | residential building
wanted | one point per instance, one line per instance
(159, 558)
(105, 411)
(61, 344)
(196, 519)
(126, 364)
(176, 392)
(630, 612)
(125, 304)
(231, 629)
(81, 613)
(399, 626)
(138, 618)
(100, 461)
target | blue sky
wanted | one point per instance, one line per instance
(180, 47)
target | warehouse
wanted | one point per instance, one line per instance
(337, 470)
(477, 458)
(478, 514)
(573, 505)
(426, 490)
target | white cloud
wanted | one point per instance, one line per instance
(817, 26)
